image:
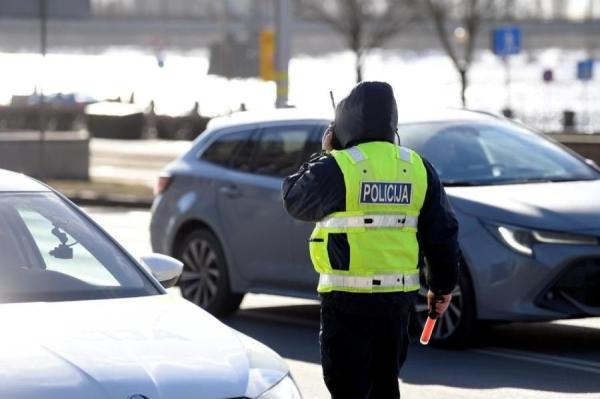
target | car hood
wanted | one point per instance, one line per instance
(160, 346)
(562, 206)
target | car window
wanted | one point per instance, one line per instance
(494, 152)
(506, 150)
(314, 143)
(242, 160)
(50, 252)
(222, 150)
(72, 258)
(281, 149)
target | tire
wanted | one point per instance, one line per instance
(455, 328)
(205, 278)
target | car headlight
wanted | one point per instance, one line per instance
(284, 389)
(521, 240)
(268, 375)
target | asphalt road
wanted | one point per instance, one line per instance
(539, 360)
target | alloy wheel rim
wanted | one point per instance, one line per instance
(449, 321)
(200, 277)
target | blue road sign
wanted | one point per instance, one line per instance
(506, 40)
(585, 70)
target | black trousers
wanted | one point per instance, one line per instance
(363, 349)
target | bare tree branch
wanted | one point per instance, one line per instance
(398, 16)
(439, 14)
(364, 24)
(320, 13)
(470, 15)
(472, 22)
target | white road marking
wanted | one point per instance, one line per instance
(559, 361)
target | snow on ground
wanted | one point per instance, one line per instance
(420, 79)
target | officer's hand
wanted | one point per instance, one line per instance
(326, 140)
(441, 304)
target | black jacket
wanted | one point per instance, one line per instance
(369, 113)
(318, 189)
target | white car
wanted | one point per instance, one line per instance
(81, 318)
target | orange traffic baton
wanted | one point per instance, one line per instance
(430, 323)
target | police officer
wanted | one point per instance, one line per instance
(378, 209)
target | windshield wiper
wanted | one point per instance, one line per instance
(460, 183)
(526, 180)
(561, 179)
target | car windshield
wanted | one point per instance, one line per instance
(495, 152)
(49, 252)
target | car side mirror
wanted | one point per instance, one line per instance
(164, 268)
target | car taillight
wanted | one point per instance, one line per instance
(162, 184)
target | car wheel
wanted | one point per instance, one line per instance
(455, 327)
(205, 280)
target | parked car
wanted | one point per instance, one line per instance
(528, 211)
(81, 318)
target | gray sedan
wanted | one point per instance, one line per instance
(528, 208)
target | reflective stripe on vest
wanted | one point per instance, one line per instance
(368, 221)
(370, 282)
(356, 155)
(405, 154)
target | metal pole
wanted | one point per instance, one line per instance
(42, 105)
(506, 60)
(586, 119)
(282, 51)
(226, 51)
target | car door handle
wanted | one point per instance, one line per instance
(231, 191)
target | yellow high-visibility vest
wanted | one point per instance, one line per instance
(372, 246)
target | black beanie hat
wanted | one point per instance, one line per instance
(369, 113)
